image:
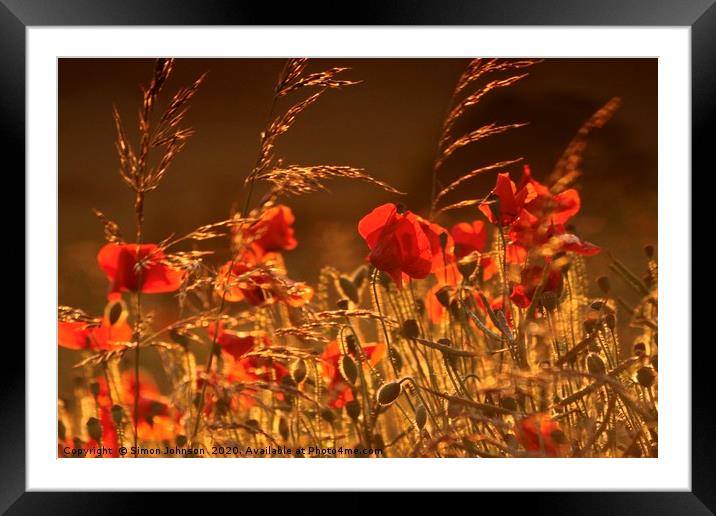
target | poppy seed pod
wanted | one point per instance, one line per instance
(466, 267)
(443, 296)
(411, 329)
(181, 440)
(645, 376)
(94, 428)
(349, 289)
(117, 414)
(298, 370)
(348, 369)
(421, 416)
(603, 282)
(388, 393)
(595, 364)
(353, 409)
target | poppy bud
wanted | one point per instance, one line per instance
(94, 388)
(94, 428)
(359, 276)
(603, 282)
(283, 428)
(595, 365)
(443, 296)
(388, 393)
(181, 440)
(115, 312)
(342, 304)
(649, 251)
(411, 329)
(298, 370)
(117, 414)
(351, 345)
(353, 409)
(349, 289)
(645, 376)
(348, 369)
(421, 416)
(328, 415)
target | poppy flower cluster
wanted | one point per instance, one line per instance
(534, 217)
(257, 274)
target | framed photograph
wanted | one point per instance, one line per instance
(426, 237)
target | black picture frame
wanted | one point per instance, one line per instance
(700, 15)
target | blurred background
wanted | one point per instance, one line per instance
(389, 125)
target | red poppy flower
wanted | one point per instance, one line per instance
(273, 231)
(531, 279)
(237, 344)
(340, 392)
(104, 335)
(260, 280)
(540, 433)
(554, 209)
(398, 244)
(133, 268)
(528, 232)
(511, 201)
(469, 237)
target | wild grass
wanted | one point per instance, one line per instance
(434, 348)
